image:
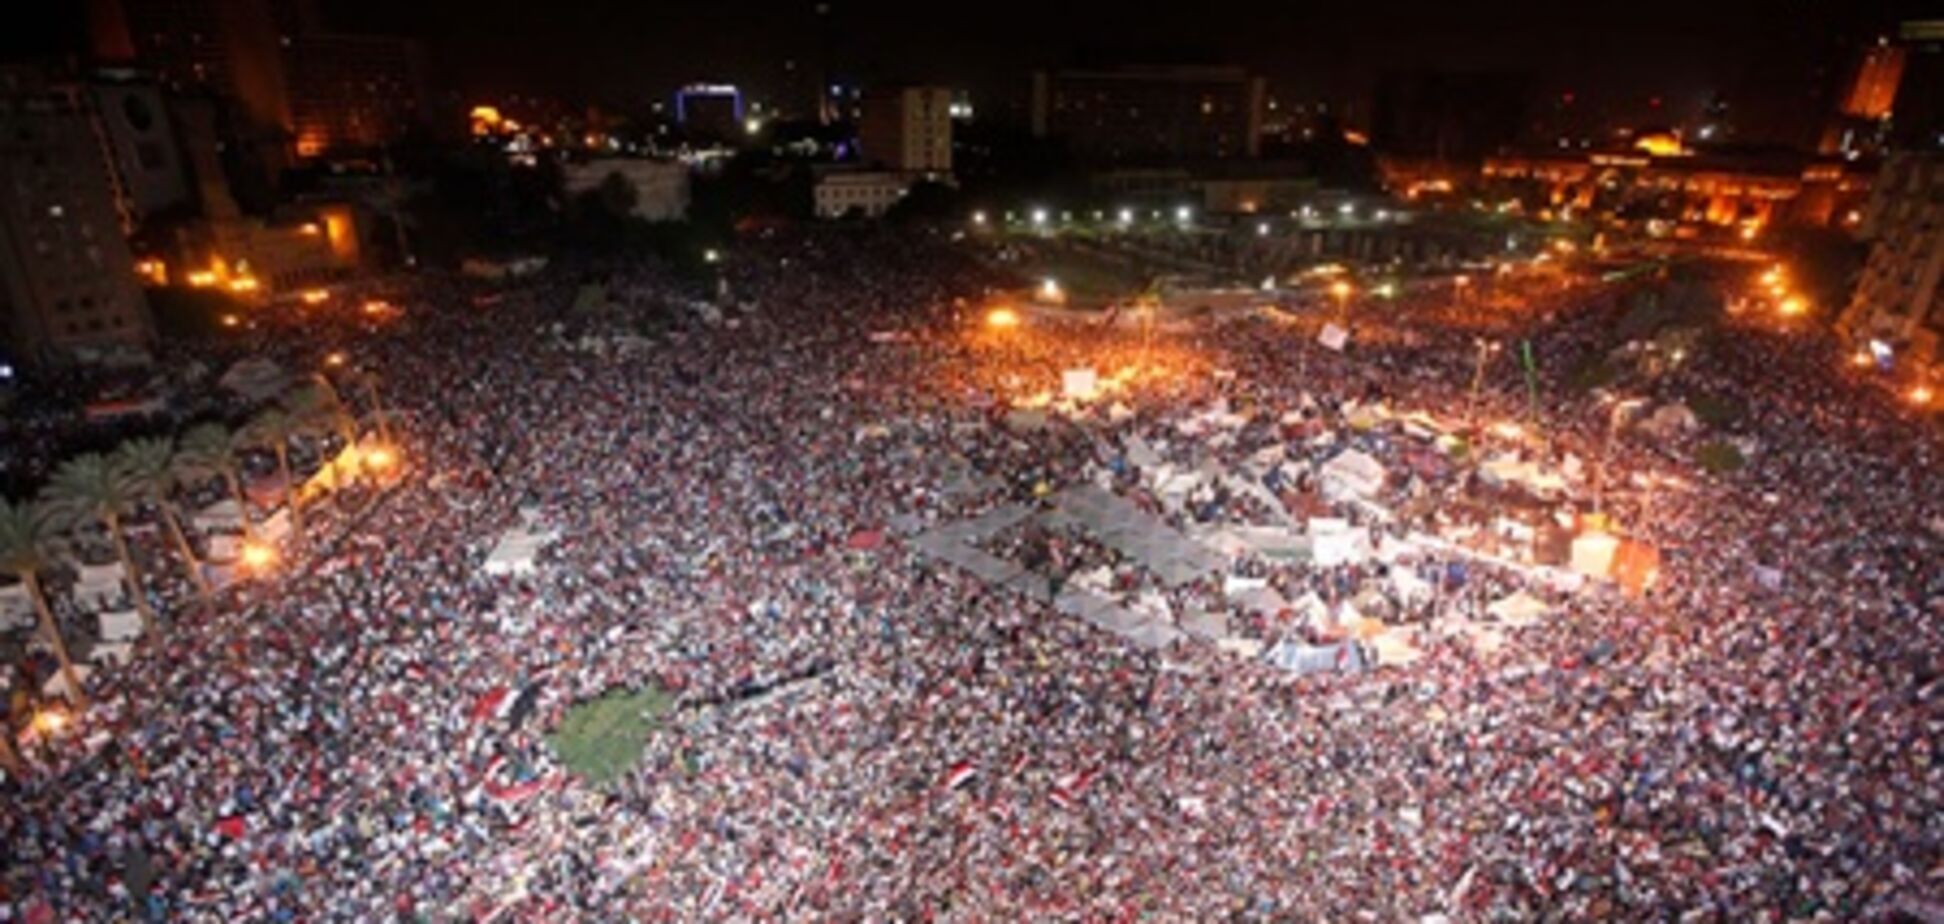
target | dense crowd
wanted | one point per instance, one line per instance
(332, 745)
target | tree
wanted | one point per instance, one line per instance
(273, 428)
(91, 487)
(28, 544)
(209, 451)
(318, 412)
(150, 464)
(380, 417)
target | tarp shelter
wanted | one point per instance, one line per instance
(1636, 566)
(1518, 609)
(1079, 384)
(120, 627)
(224, 514)
(1333, 337)
(865, 540)
(96, 585)
(1352, 474)
(517, 550)
(16, 607)
(1394, 646)
(1593, 554)
(1335, 542)
(1301, 659)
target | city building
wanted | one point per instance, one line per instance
(352, 93)
(299, 248)
(1150, 115)
(711, 112)
(1744, 190)
(908, 129)
(841, 193)
(1449, 116)
(148, 171)
(661, 187)
(1897, 311)
(67, 281)
(230, 48)
(1917, 117)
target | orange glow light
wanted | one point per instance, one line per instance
(257, 556)
(381, 458)
(1002, 318)
(316, 296)
(1921, 395)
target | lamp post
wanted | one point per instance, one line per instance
(1485, 348)
(1620, 408)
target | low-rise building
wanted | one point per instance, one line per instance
(864, 193)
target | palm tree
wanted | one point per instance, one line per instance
(150, 464)
(28, 547)
(91, 487)
(378, 415)
(210, 450)
(274, 428)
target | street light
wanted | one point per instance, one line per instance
(258, 556)
(1183, 213)
(1002, 318)
(979, 218)
(1126, 217)
(1039, 218)
(1921, 395)
(381, 458)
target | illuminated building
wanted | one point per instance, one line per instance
(1899, 299)
(865, 193)
(1721, 189)
(67, 281)
(352, 93)
(710, 111)
(226, 47)
(1874, 91)
(1149, 115)
(908, 129)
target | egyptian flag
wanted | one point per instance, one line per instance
(1069, 788)
(961, 773)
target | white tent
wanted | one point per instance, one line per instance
(1394, 646)
(516, 551)
(224, 514)
(1335, 542)
(98, 584)
(1333, 337)
(120, 627)
(1079, 384)
(1519, 609)
(16, 607)
(1352, 474)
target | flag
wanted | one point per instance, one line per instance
(231, 827)
(960, 774)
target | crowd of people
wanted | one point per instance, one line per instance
(332, 744)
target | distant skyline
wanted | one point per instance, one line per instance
(1769, 58)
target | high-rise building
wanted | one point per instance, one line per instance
(1150, 115)
(1917, 119)
(147, 164)
(67, 281)
(908, 129)
(352, 93)
(1899, 301)
(231, 48)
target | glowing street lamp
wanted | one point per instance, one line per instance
(259, 556)
(1002, 318)
(1183, 214)
(711, 255)
(1039, 218)
(1126, 217)
(1860, 359)
(334, 359)
(1921, 395)
(381, 459)
(1792, 306)
(979, 218)
(1050, 289)
(48, 721)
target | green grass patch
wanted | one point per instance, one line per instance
(1594, 372)
(1719, 457)
(602, 738)
(1714, 410)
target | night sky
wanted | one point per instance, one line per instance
(1761, 55)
